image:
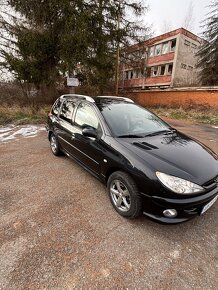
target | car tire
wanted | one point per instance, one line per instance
(54, 145)
(124, 195)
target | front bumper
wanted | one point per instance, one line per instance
(186, 208)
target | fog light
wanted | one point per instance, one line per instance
(170, 213)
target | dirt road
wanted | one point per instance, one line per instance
(59, 231)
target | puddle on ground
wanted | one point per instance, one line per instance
(12, 132)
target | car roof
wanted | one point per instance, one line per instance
(112, 98)
(97, 99)
(76, 96)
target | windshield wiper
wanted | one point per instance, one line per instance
(170, 130)
(161, 132)
(130, 136)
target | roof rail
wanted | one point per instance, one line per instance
(120, 98)
(91, 100)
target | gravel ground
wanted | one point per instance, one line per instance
(59, 231)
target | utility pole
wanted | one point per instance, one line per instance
(118, 54)
(144, 63)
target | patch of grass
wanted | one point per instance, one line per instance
(199, 115)
(23, 115)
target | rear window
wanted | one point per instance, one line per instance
(67, 110)
(56, 107)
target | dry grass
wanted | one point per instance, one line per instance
(199, 115)
(23, 115)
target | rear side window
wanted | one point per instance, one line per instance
(56, 107)
(67, 111)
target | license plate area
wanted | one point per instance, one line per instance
(208, 205)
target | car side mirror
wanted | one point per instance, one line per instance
(90, 132)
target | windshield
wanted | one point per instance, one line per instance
(128, 119)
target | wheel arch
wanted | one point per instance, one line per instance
(49, 135)
(111, 170)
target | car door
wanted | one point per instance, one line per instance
(53, 115)
(89, 150)
(64, 128)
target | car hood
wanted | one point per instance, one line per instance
(175, 154)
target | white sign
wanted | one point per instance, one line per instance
(72, 82)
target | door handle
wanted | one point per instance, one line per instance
(73, 136)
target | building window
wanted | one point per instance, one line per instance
(137, 74)
(162, 70)
(148, 72)
(190, 67)
(184, 66)
(187, 42)
(151, 51)
(170, 69)
(129, 57)
(162, 48)
(154, 71)
(194, 45)
(165, 48)
(158, 49)
(142, 54)
(130, 74)
(173, 45)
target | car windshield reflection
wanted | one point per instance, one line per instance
(131, 120)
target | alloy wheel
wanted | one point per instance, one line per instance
(120, 195)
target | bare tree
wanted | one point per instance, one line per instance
(189, 19)
(166, 26)
(133, 62)
(5, 38)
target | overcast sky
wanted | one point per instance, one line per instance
(173, 12)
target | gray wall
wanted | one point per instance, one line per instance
(185, 56)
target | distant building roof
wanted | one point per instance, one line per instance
(162, 37)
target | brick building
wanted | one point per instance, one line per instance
(167, 60)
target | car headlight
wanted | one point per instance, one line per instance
(178, 185)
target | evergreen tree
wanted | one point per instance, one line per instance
(44, 40)
(208, 53)
(47, 39)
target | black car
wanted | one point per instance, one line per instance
(148, 166)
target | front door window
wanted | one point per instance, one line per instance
(86, 117)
